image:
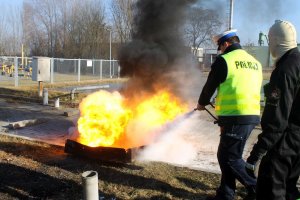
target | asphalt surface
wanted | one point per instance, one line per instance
(49, 123)
(196, 133)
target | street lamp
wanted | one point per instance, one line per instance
(110, 38)
(110, 53)
(231, 15)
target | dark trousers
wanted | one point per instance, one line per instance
(230, 150)
(279, 170)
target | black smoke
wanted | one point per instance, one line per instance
(156, 45)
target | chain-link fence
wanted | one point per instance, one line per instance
(60, 70)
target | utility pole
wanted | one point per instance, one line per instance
(22, 54)
(230, 15)
(110, 53)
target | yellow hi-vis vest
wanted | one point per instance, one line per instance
(239, 94)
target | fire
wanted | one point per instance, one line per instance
(103, 119)
(108, 119)
(158, 109)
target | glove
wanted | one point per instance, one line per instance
(253, 161)
(250, 169)
(200, 107)
(252, 164)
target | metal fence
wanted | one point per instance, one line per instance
(61, 70)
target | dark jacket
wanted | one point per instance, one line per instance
(216, 76)
(281, 117)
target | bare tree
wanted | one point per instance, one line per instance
(14, 19)
(11, 30)
(95, 30)
(70, 28)
(40, 25)
(122, 14)
(201, 25)
(3, 28)
(86, 31)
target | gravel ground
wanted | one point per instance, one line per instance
(197, 131)
(197, 134)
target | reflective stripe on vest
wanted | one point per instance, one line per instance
(239, 94)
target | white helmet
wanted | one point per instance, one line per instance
(223, 36)
(282, 37)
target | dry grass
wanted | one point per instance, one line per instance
(30, 93)
(34, 170)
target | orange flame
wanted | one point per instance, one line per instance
(107, 119)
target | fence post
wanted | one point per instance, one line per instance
(51, 70)
(75, 68)
(16, 72)
(93, 63)
(78, 78)
(40, 88)
(56, 102)
(101, 69)
(90, 185)
(45, 96)
(110, 69)
(113, 67)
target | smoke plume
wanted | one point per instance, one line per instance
(157, 47)
(191, 141)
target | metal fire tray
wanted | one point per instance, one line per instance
(99, 153)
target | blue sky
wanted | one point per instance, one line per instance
(249, 16)
(252, 16)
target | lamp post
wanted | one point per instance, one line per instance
(110, 48)
(110, 53)
(231, 15)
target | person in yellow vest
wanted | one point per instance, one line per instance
(237, 77)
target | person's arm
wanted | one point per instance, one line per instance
(279, 99)
(216, 76)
